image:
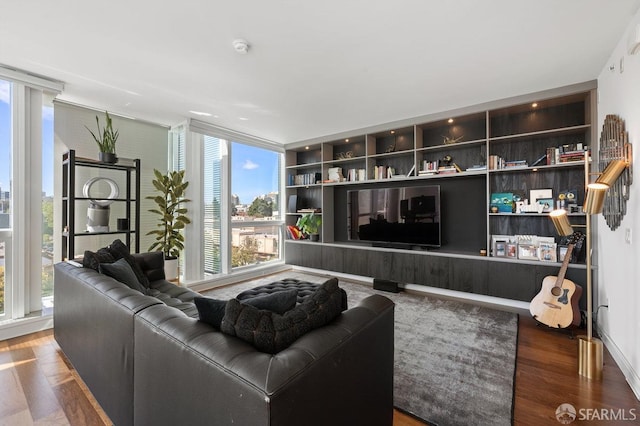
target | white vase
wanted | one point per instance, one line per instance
(171, 272)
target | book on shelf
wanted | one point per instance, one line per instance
(447, 169)
(477, 167)
(515, 163)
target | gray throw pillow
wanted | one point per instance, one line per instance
(119, 250)
(121, 271)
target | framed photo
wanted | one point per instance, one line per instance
(562, 252)
(546, 203)
(499, 245)
(528, 251)
(512, 250)
(548, 252)
(537, 194)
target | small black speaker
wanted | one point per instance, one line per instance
(386, 285)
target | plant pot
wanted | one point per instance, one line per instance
(171, 272)
(108, 157)
(314, 237)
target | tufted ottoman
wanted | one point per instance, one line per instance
(304, 289)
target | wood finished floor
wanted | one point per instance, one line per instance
(38, 385)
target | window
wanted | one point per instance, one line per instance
(255, 204)
(236, 219)
(26, 176)
(5, 191)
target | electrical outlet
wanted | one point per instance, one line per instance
(627, 236)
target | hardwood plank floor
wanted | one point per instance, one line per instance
(39, 386)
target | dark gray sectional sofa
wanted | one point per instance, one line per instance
(149, 361)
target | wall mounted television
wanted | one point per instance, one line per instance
(403, 216)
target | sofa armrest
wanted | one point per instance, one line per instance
(93, 324)
(152, 264)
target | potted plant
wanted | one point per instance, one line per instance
(106, 139)
(169, 239)
(309, 224)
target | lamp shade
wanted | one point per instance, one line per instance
(561, 222)
(594, 201)
(612, 172)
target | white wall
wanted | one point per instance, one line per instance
(137, 139)
(618, 271)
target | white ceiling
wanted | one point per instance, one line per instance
(314, 68)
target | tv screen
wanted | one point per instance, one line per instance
(404, 215)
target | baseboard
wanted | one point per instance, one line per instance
(236, 277)
(627, 369)
(23, 326)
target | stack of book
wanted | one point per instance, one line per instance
(566, 153)
(515, 163)
(477, 167)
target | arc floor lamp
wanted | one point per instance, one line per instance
(590, 349)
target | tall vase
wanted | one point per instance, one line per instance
(171, 272)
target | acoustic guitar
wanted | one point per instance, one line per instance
(556, 305)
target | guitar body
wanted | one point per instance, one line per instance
(556, 305)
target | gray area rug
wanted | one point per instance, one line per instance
(454, 361)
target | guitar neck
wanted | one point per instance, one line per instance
(565, 265)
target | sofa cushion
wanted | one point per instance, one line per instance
(211, 311)
(119, 250)
(94, 259)
(271, 332)
(121, 271)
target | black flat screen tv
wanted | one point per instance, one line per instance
(395, 216)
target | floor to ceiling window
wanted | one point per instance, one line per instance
(5, 180)
(255, 205)
(238, 224)
(26, 189)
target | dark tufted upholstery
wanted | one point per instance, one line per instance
(271, 332)
(147, 363)
(304, 288)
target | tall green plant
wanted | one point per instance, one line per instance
(172, 220)
(107, 137)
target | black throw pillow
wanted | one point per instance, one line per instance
(93, 260)
(211, 311)
(121, 271)
(278, 302)
(119, 250)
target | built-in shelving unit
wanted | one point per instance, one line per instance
(129, 171)
(479, 143)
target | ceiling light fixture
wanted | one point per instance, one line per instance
(450, 120)
(346, 140)
(206, 114)
(241, 46)
(534, 105)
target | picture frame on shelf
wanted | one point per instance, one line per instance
(512, 250)
(528, 252)
(499, 245)
(537, 194)
(547, 252)
(546, 203)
